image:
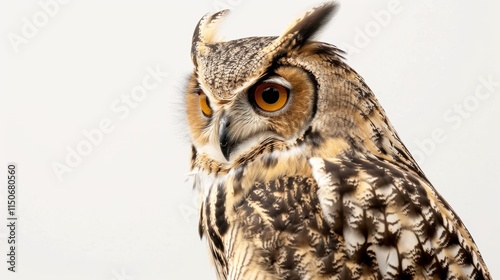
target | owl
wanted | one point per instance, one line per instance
(300, 173)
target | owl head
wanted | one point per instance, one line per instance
(261, 94)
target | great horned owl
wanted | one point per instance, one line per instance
(301, 175)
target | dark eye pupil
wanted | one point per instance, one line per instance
(270, 95)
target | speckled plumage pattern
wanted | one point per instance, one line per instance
(320, 189)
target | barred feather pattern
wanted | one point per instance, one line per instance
(350, 218)
(320, 189)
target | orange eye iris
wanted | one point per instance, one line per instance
(270, 97)
(205, 105)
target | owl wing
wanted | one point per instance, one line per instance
(393, 222)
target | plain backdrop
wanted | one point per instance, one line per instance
(124, 210)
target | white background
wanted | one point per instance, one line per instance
(125, 210)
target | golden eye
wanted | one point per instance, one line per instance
(270, 97)
(205, 105)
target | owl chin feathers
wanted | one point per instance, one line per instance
(237, 150)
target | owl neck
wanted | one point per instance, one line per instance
(382, 144)
(349, 120)
(352, 123)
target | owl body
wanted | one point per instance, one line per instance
(300, 173)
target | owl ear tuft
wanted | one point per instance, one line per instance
(205, 31)
(306, 26)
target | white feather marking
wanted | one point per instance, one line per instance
(249, 144)
(406, 246)
(327, 189)
(280, 81)
(353, 240)
(387, 259)
(203, 182)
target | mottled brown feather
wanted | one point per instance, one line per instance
(321, 189)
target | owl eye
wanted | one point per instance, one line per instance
(205, 105)
(270, 97)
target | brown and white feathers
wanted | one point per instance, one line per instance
(300, 173)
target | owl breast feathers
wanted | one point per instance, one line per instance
(300, 173)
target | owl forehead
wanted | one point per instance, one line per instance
(225, 67)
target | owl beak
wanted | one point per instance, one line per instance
(226, 144)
